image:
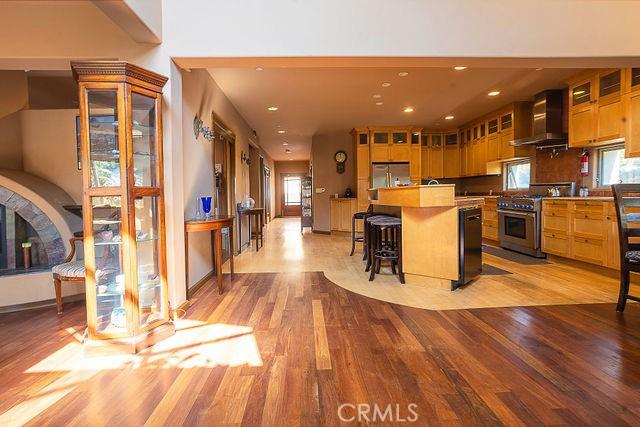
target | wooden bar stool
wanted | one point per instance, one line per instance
(627, 197)
(356, 237)
(367, 238)
(385, 243)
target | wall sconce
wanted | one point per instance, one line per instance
(244, 158)
(199, 128)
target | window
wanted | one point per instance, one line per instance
(518, 175)
(292, 190)
(614, 168)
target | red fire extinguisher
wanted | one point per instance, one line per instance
(584, 163)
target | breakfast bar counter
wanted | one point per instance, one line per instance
(430, 229)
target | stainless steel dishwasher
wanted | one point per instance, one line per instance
(469, 246)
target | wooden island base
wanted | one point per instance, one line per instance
(430, 253)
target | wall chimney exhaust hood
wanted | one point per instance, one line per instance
(547, 120)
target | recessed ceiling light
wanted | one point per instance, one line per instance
(287, 151)
(379, 103)
(449, 117)
(285, 143)
(272, 108)
(290, 159)
(259, 68)
(281, 131)
(386, 84)
(494, 93)
(538, 69)
(403, 74)
(377, 96)
(408, 109)
(460, 68)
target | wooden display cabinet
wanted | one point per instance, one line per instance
(123, 204)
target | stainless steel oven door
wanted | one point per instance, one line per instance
(518, 229)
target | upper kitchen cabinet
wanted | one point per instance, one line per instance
(415, 156)
(399, 150)
(424, 155)
(464, 150)
(493, 140)
(631, 109)
(361, 150)
(436, 156)
(451, 167)
(596, 107)
(379, 146)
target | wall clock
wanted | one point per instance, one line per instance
(340, 158)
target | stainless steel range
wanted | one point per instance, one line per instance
(520, 217)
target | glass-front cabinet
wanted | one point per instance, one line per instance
(123, 206)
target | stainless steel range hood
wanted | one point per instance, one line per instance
(547, 120)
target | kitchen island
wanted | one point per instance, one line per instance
(430, 229)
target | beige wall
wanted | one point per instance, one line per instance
(10, 142)
(202, 96)
(323, 150)
(13, 91)
(282, 169)
(49, 148)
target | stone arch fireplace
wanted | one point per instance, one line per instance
(39, 204)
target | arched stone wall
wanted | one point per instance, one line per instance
(47, 231)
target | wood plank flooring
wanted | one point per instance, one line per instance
(291, 348)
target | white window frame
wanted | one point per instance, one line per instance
(505, 173)
(597, 164)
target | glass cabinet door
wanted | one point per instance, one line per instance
(110, 279)
(399, 137)
(104, 150)
(610, 83)
(144, 139)
(506, 121)
(380, 138)
(581, 94)
(634, 78)
(150, 298)
(493, 126)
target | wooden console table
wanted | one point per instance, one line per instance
(215, 224)
(258, 214)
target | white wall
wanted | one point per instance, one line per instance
(10, 142)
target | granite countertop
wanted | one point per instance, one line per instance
(469, 200)
(588, 198)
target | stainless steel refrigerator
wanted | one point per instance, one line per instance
(385, 174)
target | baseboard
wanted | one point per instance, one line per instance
(200, 283)
(182, 307)
(40, 304)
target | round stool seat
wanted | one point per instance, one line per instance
(387, 221)
(362, 215)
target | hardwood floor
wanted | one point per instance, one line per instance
(291, 348)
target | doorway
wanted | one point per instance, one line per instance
(291, 195)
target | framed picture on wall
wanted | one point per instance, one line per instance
(98, 122)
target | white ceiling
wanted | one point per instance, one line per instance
(326, 100)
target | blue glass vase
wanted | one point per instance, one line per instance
(206, 206)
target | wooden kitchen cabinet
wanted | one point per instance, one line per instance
(464, 148)
(584, 230)
(596, 107)
(424, 157)
(415, 157)
(555, 228)
(493, 140)
(451, 156)
(436, 156)
(399, 150)
(631, 105)
(342, 210)
(506, 136)
(380, 146)
(490, 219)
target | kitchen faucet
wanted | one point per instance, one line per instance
(433, 181)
